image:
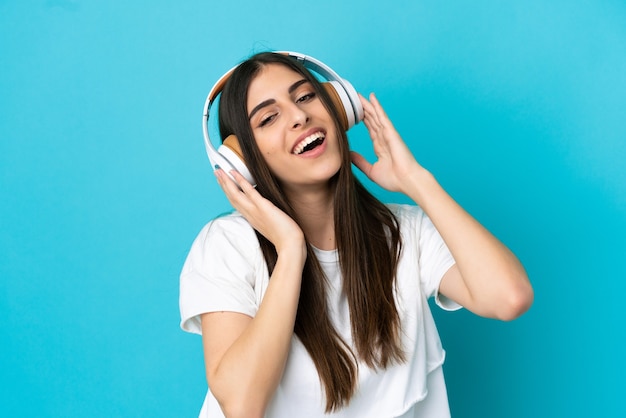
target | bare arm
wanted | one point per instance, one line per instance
(245, 357)
(487, 279)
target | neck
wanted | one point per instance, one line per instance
(315, 210)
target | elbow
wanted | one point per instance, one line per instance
(241, 409)
(516, 302)
(239, 403)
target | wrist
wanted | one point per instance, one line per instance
(420, 185)
(294, 250)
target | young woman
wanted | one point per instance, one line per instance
(311, 297)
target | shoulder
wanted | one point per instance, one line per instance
(408, 216)
(403, 209)
(231, 227)
(222, 271)
(226, 233)
(416, 228)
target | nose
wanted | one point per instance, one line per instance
(299, 117)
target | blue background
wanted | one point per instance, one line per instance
(519, 109)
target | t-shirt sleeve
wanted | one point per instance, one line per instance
(219, 272)
(435, 260)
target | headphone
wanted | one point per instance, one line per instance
(229, 156)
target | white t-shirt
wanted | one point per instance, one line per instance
(225, 271)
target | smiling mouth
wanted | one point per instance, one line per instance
(310, 142)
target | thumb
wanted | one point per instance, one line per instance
(361, 163)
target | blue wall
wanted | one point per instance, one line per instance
(519, 108)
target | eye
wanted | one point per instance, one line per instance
(268, 119)
(306, 97)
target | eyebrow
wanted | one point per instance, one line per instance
(268, 102)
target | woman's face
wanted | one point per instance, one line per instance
(292, 128)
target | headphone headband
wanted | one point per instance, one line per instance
(226, 156)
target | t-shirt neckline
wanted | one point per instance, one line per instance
(328, 256)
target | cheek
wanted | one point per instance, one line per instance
(268, 141)
(269, 153)
(266, 147)
(272, 159)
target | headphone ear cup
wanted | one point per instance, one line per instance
(232, 142)
(231, 151)
(350, 110)
(339, 104)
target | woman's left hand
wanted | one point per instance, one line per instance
(396, 164)
(487, 278)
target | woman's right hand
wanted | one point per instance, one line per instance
(274, 224)
(245, 356)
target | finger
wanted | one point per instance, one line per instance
(222, 178)
(380, 111)
(369, 111)
(243, 184)
(361, 163)
(231, 189)
(367, 106)
(226, 181)
(377, 108)
(376, 131)
(371, 123)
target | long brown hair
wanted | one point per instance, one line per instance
(368, 244)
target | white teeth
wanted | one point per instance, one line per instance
(306, 141)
